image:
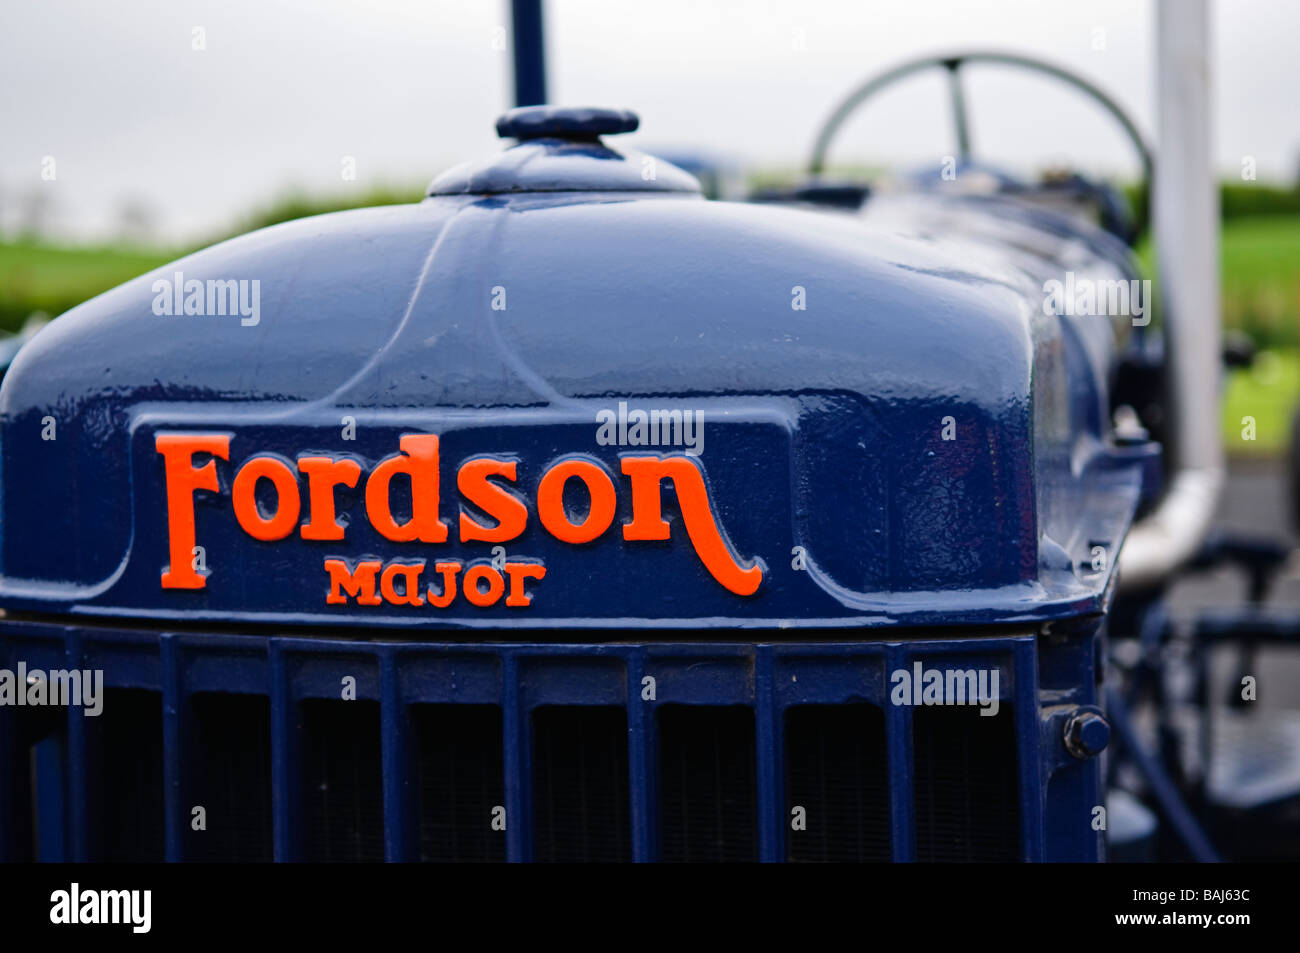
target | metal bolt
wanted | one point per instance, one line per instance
(1086, 734)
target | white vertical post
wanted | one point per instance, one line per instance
(1185, 207)
(1186, 215)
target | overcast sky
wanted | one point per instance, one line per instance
(283, 90)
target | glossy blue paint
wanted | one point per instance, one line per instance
(529, 48)
(824, 428)
(917, 457)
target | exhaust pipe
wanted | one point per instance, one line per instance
(1186, 230)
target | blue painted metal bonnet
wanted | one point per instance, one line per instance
(888, 430)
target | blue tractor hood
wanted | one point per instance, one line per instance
(565, 390)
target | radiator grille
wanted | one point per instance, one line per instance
(678, 751)
(966, 798)
(461, 782)
(125, 777)
(37, 734)
(837, 772)
(580, 784)
(708, 800)
(342, 780)
(231, 781)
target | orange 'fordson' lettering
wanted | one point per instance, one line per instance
(267, 499)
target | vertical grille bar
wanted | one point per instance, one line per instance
(519, 770)
(1032, 820)
(898, 735)
(285, 769)
(10, 827)
(77, 800)
(399, 831)
(174, 704)
(641, 746)
(770, 757)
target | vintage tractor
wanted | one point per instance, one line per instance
(566, 515)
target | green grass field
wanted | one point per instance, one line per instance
(1261, 279)
(1267, 394)
(36, 277)
(1260, 294)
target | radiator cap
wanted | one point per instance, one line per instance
(559, 149)
(573, 123)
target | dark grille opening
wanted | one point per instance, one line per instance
(967, 798)
(342, 781)
(580, 784)
(18, 817)
(124, 778)
(228, 773)
(461, 779)
(836, 769)
(37, 735)
(707, 799)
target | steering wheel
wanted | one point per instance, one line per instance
(953, 64)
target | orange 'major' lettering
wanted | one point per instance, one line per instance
(358, 583)
(483, 584)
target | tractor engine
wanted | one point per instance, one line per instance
(566, 515)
